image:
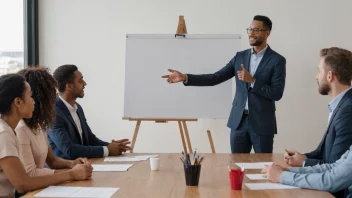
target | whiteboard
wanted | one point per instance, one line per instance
(148, 56)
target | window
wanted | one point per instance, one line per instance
(18, 35)
(11, 36)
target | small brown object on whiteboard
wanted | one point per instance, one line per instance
(181, 28)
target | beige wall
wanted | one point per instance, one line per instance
(91, 34)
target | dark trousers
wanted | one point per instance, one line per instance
(242, 139)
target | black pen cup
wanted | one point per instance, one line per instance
(192, 174)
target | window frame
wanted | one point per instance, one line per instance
(31, 40)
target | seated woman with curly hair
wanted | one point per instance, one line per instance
(16, 103)
(35, 151)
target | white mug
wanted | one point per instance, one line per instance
(154, 163)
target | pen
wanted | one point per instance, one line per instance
(182, 160)
(187, 160)
(194, 154)
(200, 160)
(288, 153)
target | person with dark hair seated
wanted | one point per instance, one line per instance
(16, 103)
(35, 151)
(70, 137)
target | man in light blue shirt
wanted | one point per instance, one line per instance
(327, 177)
(334, 79)
(331, 163)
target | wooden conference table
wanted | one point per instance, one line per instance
(169, 181)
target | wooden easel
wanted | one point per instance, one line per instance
(181, 30)
(181, 124)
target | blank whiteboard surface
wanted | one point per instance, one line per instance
(148, 57)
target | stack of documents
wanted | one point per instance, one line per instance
(121, 159)
(65, 191)
(255, 165)
(256, 177)
(110, 167)
(268, 186)
(136, 158)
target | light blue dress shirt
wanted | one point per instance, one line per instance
(327, 177)
(333, 104)
(253, 66)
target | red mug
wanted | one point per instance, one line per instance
(236, 179)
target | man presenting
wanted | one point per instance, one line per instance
(260, 76)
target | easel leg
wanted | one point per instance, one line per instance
(182, 137)
(187, 137)
(211, 142)
(135, 135)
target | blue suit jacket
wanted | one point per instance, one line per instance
(64, 137)
(338, 136)
(269, 87)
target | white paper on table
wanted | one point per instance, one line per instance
(256, 177)
(57, 191)
(136, 158)
(145, 157)
(268, 186)
(66, 191)
(254, 165)
(110, 167)
(95, 192)
(121, 159)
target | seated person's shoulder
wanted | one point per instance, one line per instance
(22, 126)
(347, 105)
(4, 128)
(5, 134)
(8, 144)
(23, 131)
(349, 96)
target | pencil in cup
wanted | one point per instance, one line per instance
(192, 168)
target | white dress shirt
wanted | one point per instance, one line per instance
(73, 111)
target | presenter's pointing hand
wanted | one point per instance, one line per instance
(175, 76)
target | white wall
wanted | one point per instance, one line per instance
(91, 34)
